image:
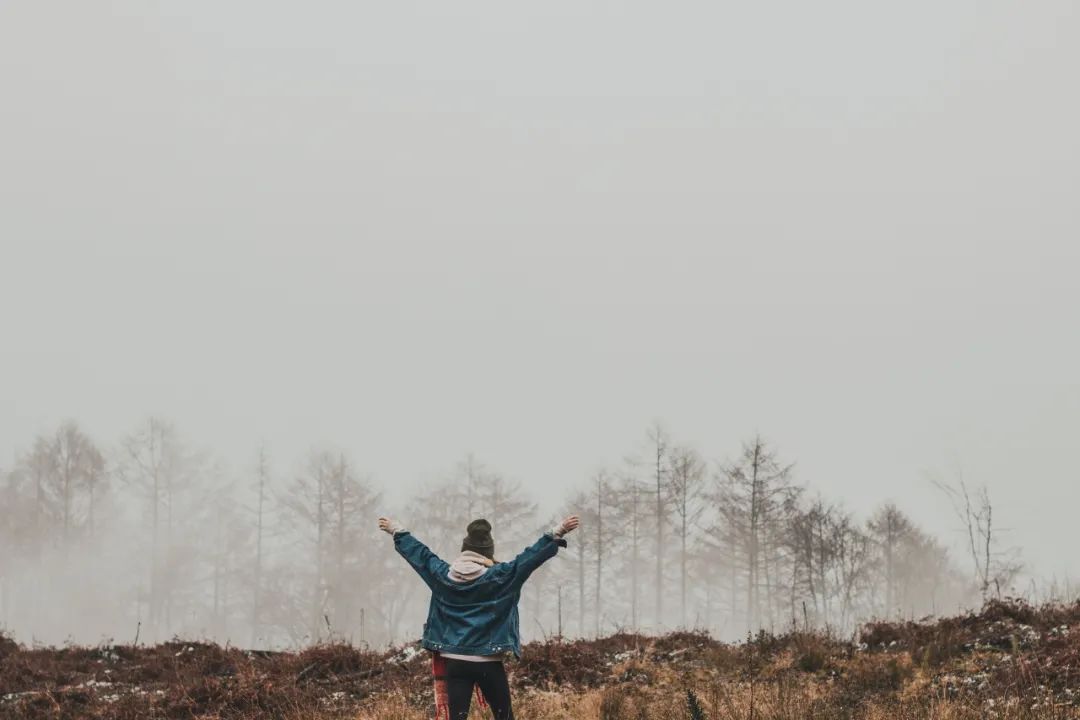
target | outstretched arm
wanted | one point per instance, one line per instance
(543, 549)
(427, 564)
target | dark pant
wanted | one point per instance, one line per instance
(462, 676)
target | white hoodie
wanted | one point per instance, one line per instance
(468, 566)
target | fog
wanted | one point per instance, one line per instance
(403, 235)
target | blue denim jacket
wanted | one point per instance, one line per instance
(479, 617)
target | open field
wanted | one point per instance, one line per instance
(1009, 661)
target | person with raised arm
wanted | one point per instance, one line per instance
(472, 620)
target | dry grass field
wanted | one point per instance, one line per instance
(1009, 661)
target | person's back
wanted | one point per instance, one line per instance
(473, 617)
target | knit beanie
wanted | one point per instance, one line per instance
(479, 539)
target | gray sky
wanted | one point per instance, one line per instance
(414, 229)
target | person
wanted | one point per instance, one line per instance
(472, 620)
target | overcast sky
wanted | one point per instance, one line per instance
(411, 230)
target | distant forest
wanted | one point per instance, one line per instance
(150, 538)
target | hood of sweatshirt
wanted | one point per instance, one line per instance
(468, 566)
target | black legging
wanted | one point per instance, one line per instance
(462, 675)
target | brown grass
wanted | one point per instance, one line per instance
(1010, 662)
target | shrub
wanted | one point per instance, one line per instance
(7, 646)
(811, 652)
(693, 707)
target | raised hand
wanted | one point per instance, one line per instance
(389, 526)
(569, 524)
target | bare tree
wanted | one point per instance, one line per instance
(19, 537)
(155, 466)
(993, 565)
(811, 557)
(889, 528)
(724, 540)
(226, 546)
(687, 473)
(329, 504)
(41, 466)
(602, 501)
(831, 561)
(354, 501)
(853, 560)
(581, 500)
(571, 574)
(262, 482)
(77, 465)
(307, 510)
(629, 512)
(658, 445)
(762, 498)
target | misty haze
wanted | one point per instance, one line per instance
(749, 330)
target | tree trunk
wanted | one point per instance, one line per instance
(682, 568)
(635, 557)
(256, 598)
(659, 538)
(599, 550)
(581, 589)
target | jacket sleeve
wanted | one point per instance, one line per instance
(532, 557)
(427, 564)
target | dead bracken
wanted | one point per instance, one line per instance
(1008, 661)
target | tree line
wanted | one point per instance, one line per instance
(151, 538)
